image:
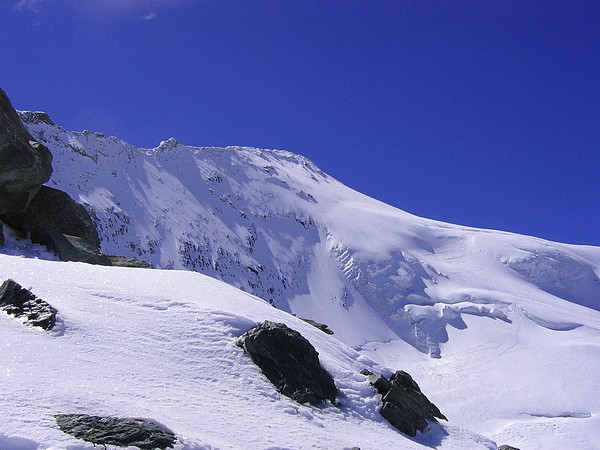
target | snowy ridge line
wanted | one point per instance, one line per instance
(505, 317)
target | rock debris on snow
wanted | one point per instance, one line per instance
(22, 304)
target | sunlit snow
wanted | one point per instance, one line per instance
(501, 331)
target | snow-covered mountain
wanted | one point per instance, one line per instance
(502, 331)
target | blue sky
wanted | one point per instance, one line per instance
(482, 113)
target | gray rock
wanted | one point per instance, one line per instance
(122, 432)
(321, 326)
(404, 405)
(289, 361)
(121, 261)
(74, 248)
(24, 164)
(21, 303)
(35, 117)
(507, 447)
(68, 248)
(54, 209)
(65, 227)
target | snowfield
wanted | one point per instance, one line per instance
(161, 345)
(501, 331)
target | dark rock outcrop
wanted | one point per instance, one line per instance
(24, 163)
(48, 216)
(116, 431)
(54, 209)
(121, 261)
(404, 405)
(321, 326)
(507, 447)
(68, 248)
(21, 303)
(55, 220)
(289, 361)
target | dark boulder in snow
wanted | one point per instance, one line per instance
(56, 210)
(121, 261)
(116, 431)
(24, 163)
(56, 221)
(21, 303)
(404, 405)
(68, 248)
(289, 361)
(321, 326)
(507, 447)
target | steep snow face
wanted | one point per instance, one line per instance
(273, 224)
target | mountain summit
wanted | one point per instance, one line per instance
(273, 224)
(502, 329)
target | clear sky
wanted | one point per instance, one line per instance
(483, 113)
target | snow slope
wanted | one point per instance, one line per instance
(503, 328)
(161, 345)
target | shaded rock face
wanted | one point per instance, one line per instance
(321, 326)
(289, 361)
(24, 164)
(56, 221)
(507, 447)
(121, 261)
(115, 431)
(48, 216)
(54, 209)
(68, 248)
(404, 405)
(21, 303)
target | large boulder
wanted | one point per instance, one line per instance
(24, 163)
(65, 227)
(404, 405)
(22, 304)
(289, 361)
(54, 209)
(122, 432)
(48, 216)
(68, 248)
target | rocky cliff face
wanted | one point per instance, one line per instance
(24, 163)
(48, 216)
